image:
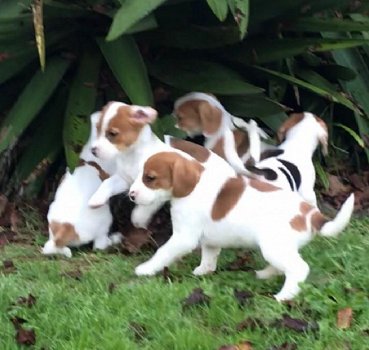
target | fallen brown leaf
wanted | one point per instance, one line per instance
(111, 287)
(135, 239)
(344, 318)
(17, 321)
(297, 324)
(197, 297)
(336, 186)
(249, 323)
(242, 296)
(29, 300)
(8, 266)
(241, 263)
(25, 336)
(245, 345)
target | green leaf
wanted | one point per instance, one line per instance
(318, 25)
(192, 75)
(219, 8)
(240, 11)
(336, 71)
(352, 133)
(81, 103)
(322, 91)
(266, 50)
(166, 126)
(46, 134)
(147, 23)
(321, 174)
(127, 65)
(130, 13)
(31, 100)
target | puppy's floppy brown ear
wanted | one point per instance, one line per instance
(211, 118)
(143, 115)
(289, 123)
(186, 174)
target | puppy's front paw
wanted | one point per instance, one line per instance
(145, 269)
(67, 252)
(200, 270)
(116, 238)
(138, 219)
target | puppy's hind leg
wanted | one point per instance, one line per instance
(286, 258)
(209, 257)
(268, 272)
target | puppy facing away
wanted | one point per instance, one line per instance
(215, 208)
(230, 137)
(124, 135)
(71, 221)
(291, 165)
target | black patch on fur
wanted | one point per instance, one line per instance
(294, 171)
(269, 174)
(288, 177)
(269, 153)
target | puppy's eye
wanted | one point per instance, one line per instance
(149, 178)
(110, 134)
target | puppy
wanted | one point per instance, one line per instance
(230, 137)
(217, 209)
(290, 166)
(71, 221)
(125, 136)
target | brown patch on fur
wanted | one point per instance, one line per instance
(241, 140)
(198, 152)
(170, 170)
(262, 186)
(298, 223)
(123, 129)
(305, 208)
(103, 175)
(324, 139)
(197, 115)
(294, 119)
(219, 148)
(228, 197)
(318, 220)
(64, 233)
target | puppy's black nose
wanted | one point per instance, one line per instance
(132, 196)
(93, 151)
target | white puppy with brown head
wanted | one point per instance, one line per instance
(125, 136)
(230, 137)
(290, 166)
(214, 208)
(71, 221)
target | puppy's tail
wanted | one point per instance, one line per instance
(331, 228)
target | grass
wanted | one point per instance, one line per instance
(107, 307)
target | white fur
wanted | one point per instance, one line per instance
(259, 219)
(70, 204)
(298, 146)
(229, 123)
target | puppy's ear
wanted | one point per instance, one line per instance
(323, 135)
(143, 115)
(211, 118)
(186, 174)
(289, 123)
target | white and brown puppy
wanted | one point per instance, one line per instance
(71, 221)
(230, 137)
(292, 166)
(215, 209)
(124, 135)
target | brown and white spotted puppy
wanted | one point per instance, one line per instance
(124, 135)
(292, 167)
(230, 137)
(214, 208)
(71, 221)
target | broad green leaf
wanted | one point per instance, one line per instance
(321, 174)
(328, 94)
(240, 11)
(198, 75)
(130, 13)
(193, 37)
(337, 72)
(166, 126)
(127, 65)
(147, 23)
(11, 8)
(352, 133)
(266, 50)
(219, 8)
(80, 105)
(315, 79)
(46, 134)
(31, 100)
(318, 25)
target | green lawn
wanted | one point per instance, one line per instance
(94, 301)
